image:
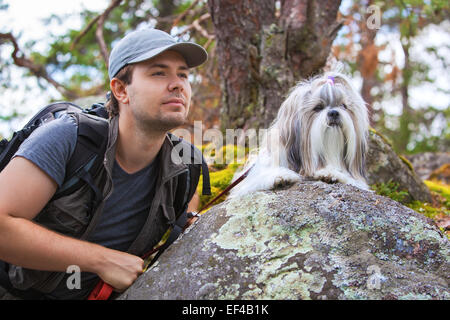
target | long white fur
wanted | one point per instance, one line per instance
(301, 142)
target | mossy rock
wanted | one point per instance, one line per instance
(425, 163)
(441, 174)
(385, 166)
(310, 241)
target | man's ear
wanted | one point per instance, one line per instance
(119, 90)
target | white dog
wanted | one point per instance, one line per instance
(320, 132)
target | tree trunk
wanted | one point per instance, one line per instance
(404, 134)
(263, 48)
(368, 63)
(165, 9)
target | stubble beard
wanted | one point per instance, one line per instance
(162, 122)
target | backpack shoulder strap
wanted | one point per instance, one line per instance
(186, 187)
(88, 154)
(188, 182)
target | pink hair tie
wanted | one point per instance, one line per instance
(330, 80)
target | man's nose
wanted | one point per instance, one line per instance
(176, 84)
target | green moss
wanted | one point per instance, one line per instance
(425, 209)
(442, 174)
(441, 203)
(381, 136)
(221, 174)
(391, 190)
(406, 161)
(219, 158)
(269, 41)
(440, 188)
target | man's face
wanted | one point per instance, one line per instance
(160, 92)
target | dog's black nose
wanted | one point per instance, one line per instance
(333, 114)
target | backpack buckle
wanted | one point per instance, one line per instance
(193, 214)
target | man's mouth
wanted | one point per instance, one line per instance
(174, 101)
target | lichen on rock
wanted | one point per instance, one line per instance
(311, 241)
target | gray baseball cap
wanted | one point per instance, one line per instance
(146, 43)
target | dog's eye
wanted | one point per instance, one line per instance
(318, 108)
(344, 106)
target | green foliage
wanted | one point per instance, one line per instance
(391, 190)
(221, 174)
(81, 63)
(413, 13)
(441, 189)
(219, 181)
(226, 154)
(10, 116)
(425, 209)
(422, 139)
(80, 67)
(410, 130)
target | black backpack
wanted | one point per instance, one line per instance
(87, 158)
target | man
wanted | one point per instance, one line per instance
(151, 95)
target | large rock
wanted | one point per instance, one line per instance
(311, 241)
(425, 163)
(441, 174)
(384, 165)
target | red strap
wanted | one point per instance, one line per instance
(231, 186)
(102, 291)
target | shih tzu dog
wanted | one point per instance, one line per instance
(320, 132)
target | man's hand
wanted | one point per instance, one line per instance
(120, 269)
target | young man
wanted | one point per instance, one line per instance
(151, 95)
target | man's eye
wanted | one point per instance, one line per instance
(159, 73)
(183, 75)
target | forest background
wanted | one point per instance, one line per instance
(400, 65)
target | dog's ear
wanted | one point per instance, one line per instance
(362, 158)
(357, 167)
(362, 169)
(293, 150)
(288, 123)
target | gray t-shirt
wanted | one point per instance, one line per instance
(125, 212)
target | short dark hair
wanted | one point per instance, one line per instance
(125, 75)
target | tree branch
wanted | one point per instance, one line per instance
(203, 32)
(36, 69)
(196, 25)
(84, 32)
(100, 20)
(184, 13)
(99, 31)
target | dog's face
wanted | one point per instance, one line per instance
(325, 124)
